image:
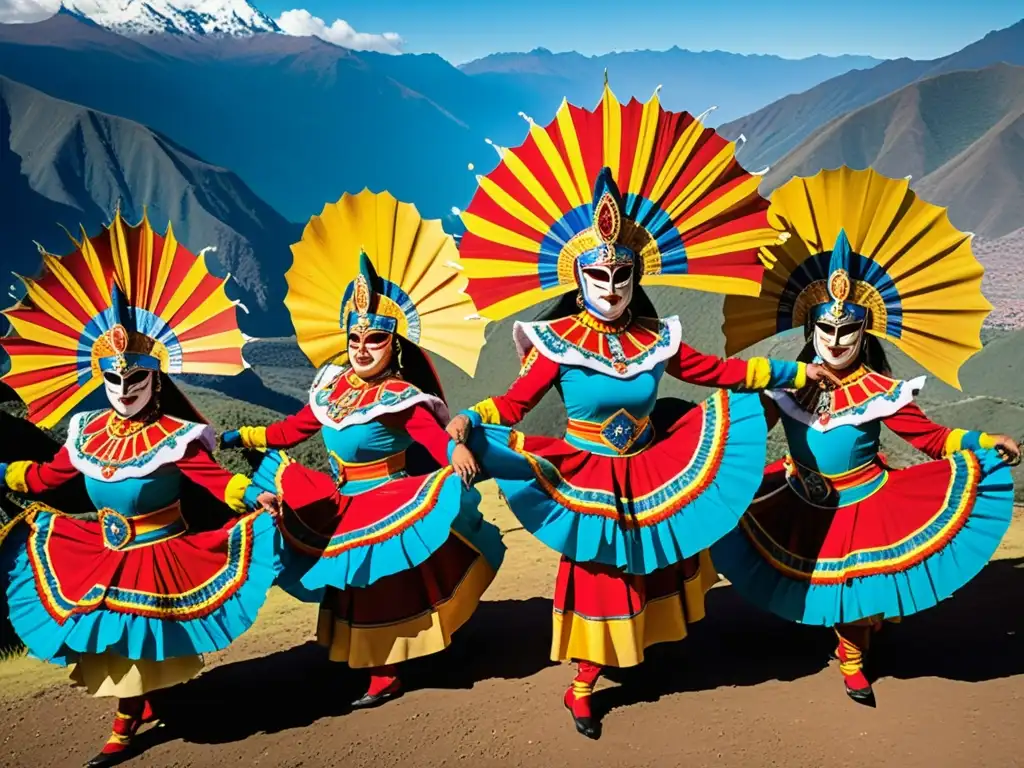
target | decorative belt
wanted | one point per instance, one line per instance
(839, 489)
(352, 472)
(620, 431)
(121, 532)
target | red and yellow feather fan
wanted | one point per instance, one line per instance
(697, 211)
(145, 282)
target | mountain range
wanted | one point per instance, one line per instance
(183, 17)
(690, 80)
(61, 163)
(780, 127)
(235, 135)
(302, 120)
(960, 136)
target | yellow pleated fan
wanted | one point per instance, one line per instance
(417, 263)
(907, 264)
(132, 277)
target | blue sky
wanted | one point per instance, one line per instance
(461, 30)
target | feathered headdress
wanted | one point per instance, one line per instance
(864, 246)
(127, 298)
(629, 182)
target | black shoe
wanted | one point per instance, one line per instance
(368, 701)
(103, 760)
(865, 696)
(587, 726)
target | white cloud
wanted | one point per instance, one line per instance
(302, 23)
(25, 11)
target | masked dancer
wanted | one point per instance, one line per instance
(836, 537)
(133, 600)
(402, 559)
(588, 207)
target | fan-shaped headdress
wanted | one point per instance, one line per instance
(625, 183)
(370, 260)
(127, 298)
(864, 246)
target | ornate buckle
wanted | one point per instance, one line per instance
(816, 488)
(620, 430)
(338, 468)
(117, 530)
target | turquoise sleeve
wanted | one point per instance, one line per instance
(783, 373)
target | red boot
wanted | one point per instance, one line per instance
(384, 685)
(850, 652)
(577, 699)
(130, 716)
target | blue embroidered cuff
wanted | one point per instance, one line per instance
(785, 374)
(250, 496)
(474, 418)
(971, 441)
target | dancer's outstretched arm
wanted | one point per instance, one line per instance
(35, 477)
(237, 491)
(537, 375)
(286, 433)
(937, 441)
(755, 374)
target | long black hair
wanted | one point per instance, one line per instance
(172, 401)
(415, 367)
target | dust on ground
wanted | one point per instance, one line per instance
(744, 690)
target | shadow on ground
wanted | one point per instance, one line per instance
(507, 639)
(973, 637)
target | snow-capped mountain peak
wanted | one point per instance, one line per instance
(181, 17)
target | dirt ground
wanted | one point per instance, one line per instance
(744, 690)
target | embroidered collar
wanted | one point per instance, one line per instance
(104, 446)
(340, 398)
(587, 320)
(583, 341)
(863, 396)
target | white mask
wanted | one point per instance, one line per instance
(129, 395)
(370, 352)
(607, 290)
(838, 346)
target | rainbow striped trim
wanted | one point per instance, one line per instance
(656, 506)
(388, 468)
(419, 506)
(893, 558)
(196, 603)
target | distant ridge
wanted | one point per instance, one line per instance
(777, 129)
(63, 164)
(960, 135)
(692, 80)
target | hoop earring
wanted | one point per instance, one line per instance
(398, 354)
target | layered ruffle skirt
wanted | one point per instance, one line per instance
(633, 530)
(398, 568)
(925, 532)
(135, 619)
